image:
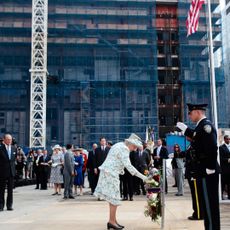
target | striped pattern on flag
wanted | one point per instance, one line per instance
(193, 16)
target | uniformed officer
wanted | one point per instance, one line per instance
(194, 185)
(204, 145)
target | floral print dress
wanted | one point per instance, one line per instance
(108, 186)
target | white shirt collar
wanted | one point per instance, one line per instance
(200, 120)
(8, 145)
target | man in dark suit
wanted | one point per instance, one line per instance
(160, 153)
(204, 155)
(7, 171)
(90, 168)
(44, 169)
(142, 161)
(100, 156)
(225, 165)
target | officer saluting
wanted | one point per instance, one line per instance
(204, 145)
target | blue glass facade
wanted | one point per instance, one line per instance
(114, 68)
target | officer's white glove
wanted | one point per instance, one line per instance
(181, 126)
(210, 171)
(144, 178)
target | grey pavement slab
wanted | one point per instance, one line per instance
(38, 210)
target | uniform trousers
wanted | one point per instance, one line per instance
(210, 200)
(196, 193)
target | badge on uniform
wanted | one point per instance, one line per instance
(208, 128)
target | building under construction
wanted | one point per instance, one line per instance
(114, 67)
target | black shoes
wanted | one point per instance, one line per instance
(111, 226)
(131, 199)
(71, 197)
(121, 226)
(10, 209)
(194, 218)
(178, 194)
(125, 198)
(1, 209)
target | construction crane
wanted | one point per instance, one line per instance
(38, 74)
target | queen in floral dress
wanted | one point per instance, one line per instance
(108, 186)
(56, 176)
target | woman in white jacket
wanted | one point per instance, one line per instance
(108, 187)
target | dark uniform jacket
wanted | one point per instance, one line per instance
(224, 156)
(7, 166)
(204, 146)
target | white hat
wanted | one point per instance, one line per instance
(135, 140)
(56, 147)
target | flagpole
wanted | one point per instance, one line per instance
(212, 68)
(213, 82)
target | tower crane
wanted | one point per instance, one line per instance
(37, 138)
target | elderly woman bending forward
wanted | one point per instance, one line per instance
(108, 186)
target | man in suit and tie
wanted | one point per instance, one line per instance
(90, 168)
(225, 165)
(160, 153)
(44, 168)
(142, 162)
(7, 171)
(100, 156)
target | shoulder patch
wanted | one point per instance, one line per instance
(208, 128)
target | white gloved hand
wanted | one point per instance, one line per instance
(210, 171)
(144, 178)
(181, 126)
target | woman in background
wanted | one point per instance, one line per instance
(78, 179)
(178, 163)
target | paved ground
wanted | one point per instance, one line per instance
(39, 210)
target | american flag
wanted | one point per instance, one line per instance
(193, 16)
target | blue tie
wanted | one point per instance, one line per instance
(8, 151)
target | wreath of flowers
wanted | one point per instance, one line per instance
(153, 188)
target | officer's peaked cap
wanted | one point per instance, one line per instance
(192, 107)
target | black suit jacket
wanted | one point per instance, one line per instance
(44, 159)
(91, 160)
(142, 162)
(163, 155)
(100, 156)
(224, 157)
(7, 166)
